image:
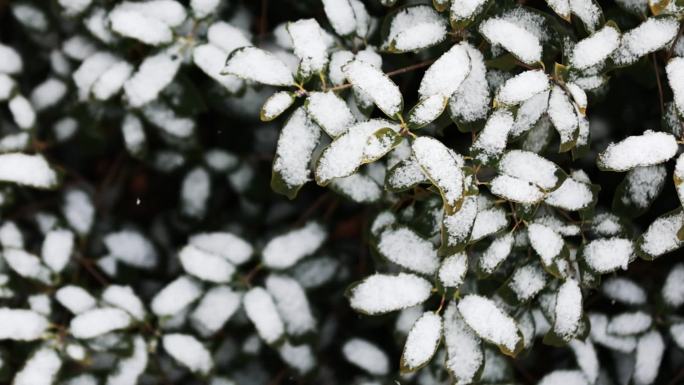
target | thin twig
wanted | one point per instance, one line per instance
(660, 86)
(392, 73)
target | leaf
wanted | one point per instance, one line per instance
(493, 139)
(647, 149)
(515, 190)
(308, 40)
(285, 250)
(661, 236)
(651, 35)
(456, 227)
(521, 88)
(426, 111)
(298, 139)
(640, 188)
(495, 254)
(595, 49)
(532, 168)
(513, 37)
(491, 323)
(255, 64)
(547, 243)
(465, 354)
(453, 270)
(405, 175)
(330, 112)
(407, 249)
(422, 342)
(447, 73)
(275, 105)
(341, 16)
(527, 281)
(564, 117)
(262, 311)
(487, 222)
(469, 104)
(463, 12)
(414, 28)
(28, 170)
(357, 187)
(378, 86)
(567, 312)
(573, 195)
(98, 321)
(608, 254)
(444, 169)
(189, 352)
(381, 293)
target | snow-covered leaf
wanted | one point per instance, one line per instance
(262, 311)
(446, 74)
(422, 342)
(492, 140)
(527, 281)
(405, 175)
(488, 221)
(453, 270)
(381, 293)
(496, 253)
(567, 311)
(330, 112)
(608, 254)
(292, 304)
(444, 169)
(629, 323)
(414, 28)
(340, 13)
(515, 190)
(378, 86)
(366, 356)
(470, 102)
(522, 87)
(465, 355)
(647, 149)
(28, 170)
(457, 227)
(595, 49)
(21, 324)
(491, 323)
(673, 290)
(308, 40)
(463, 12)
(513, 37)
(426, 111)
(205, 266)
(650, 36)
(175, 296)
(546, 242)
(662, 236)
(358, 187)
(98, 321)
(276, 105)
(188, 351)
(255, 64)
(404, 247)
(564, 116)
(649, 354)
(285, 250)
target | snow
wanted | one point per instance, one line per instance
(561, 7)
(26, 265)
(629, 323)
(40, 303)
(330, 112)
(166, 119)
(341, 16)
(276, 105)
(204, 8)
(546, 242)
(442, 166)
(128, 369)
(608, 254)
(133, 133)
(422, 341)
(132, 248)
(227, 37)
(215, 308)
(649, 353)
(661, 235)
(124, 298)
(594, 49)
(446, 74)
(366, 356)
(7, 85)
(414, 28)
(258, 65)
(299, 357)
(530, 167)
(297, 140)
(188, 351)
(78, 210)
(40, 369)
(488, 222)
(225, 244)
(48, 93)
(564, 377)
(21, 324)
(568, 309)
(381, 293)
(427, 110)
(195, 192)
(220, 160)
(516, 190)
(624, 290)
(493, 138)
(316, 272)
(76, 299)
(57, 248)
(407, 249)
(10, 60)
(496, 253)
(175, 296)
(10, 236)
(308, 40)
(639, 150)
(513, 37)
(453, 270)
(286, 250)
(23, 113)
(673, 288)
(650, 36)
(571, 196)
(358, 187)
(364, 22)
(211, 59)
(677, 332)
(464, 349)
(522, 87)
(369, 79)
(153, 75)
(405, 175)
(643, 184)
(338, 60)
(132, 24)
(675, 76)
(527, 281)
(112, 80)
(599, 322)
(471, 101)
(95, 322)
(262, 311)
(464, 10)
(170, 12)
(292, 304)
(77, 47)
(205, 266)
(65, 128)
(562, 114)
(489, 321)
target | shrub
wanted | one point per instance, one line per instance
(489, 197)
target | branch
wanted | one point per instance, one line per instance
(660, 86)
(392, 73)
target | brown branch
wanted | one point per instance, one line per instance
(87, 265)
(660, 86)
(677, 378)
(392, 73)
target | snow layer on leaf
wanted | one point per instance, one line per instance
(286, 250)
(446, 74)
(57, 248)
(22, 112)
(624, 290)
(29, 170)
(170, 12)
(308, 40)
(462, 10)
(453, 269)
(204, 265)
(513, 37)
(649, 354)
(470, 102)
(112, 80)
(415, 28)
(258, 65)
(522, 87)
(608, 254)
(10, 61)
(527, 281)
(673, 288)
(204, 8)
(40, 369)
(225, 244)
(422, 341)
(195, 191)
(568, 309)
(153, 75)
(586, 357)
(661, 235)
(629, 323)
(227, 37)
(299, 357)
(90, 70)
(643, 184)
(494, 137)
(26, 265)
(488, 222)
(489, 321)
(564, 377)
(166, 119)
(562, 114)
(338, 60)
(406, 174)
(124, 298)
(358, 187)
(595, 49)
(175, 296)
(546, 242)
(7, 86)
(211, 59)
(442, 166)
(95, 322)
(677, 332)
(75, 298)
(384, 93)
(188, 351)
(131, 248)
(458, 226)
(639, 150)
(599, 323)
(129, 23)
(530, 167)
(650, 36)
(516, 190)
(215, 309)
(330, 112)
(296, 143)
(561, 7)
(78, 210)
(407, 249)
(464, 348)
(48, 93)
(571, 195)
(675, 76)
(292, 304)
(496, 253)
(341, 16)
(588, 12)
(128, 369)
(261, 310)
(21, 324)
(380, 293)
(427, 110)
(366, 356)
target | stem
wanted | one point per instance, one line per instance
(660, 86)
(391, 73)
